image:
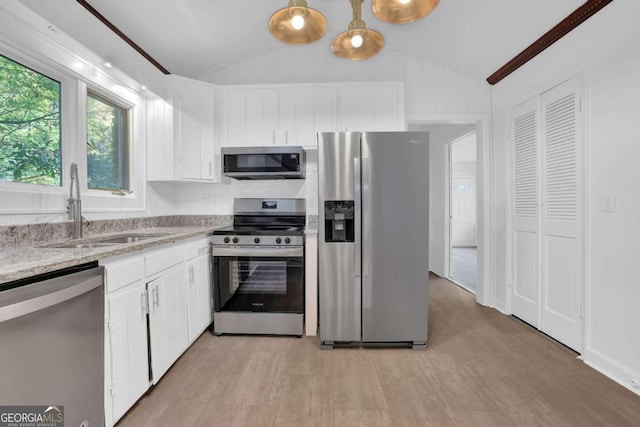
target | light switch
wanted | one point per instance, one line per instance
(609, 202)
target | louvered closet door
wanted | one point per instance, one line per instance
(562, 266)
(526, 237)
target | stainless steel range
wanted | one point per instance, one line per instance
(258, 276)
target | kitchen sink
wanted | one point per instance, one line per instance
(128, 238)
(106, 241)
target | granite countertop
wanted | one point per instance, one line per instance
(26, 261)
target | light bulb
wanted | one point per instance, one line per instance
(405, 1)
(356, 41)
(297, 22)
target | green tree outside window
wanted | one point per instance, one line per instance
(107, 146)
(30, 135)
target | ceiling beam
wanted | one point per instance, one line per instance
(576, 18)
(123, 36)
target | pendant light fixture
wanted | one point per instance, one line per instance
(358, 42)
(297, 23)
(402, 11)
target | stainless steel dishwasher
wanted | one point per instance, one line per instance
(52, 344)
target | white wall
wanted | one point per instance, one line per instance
(429, 88)
(217, 199)
(605, 49)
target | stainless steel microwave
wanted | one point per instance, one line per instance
(273, 162)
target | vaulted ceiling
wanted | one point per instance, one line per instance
(191, 37)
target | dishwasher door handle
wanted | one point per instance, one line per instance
(41, 302)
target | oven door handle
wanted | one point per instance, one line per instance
(253, 252)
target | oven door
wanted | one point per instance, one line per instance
(259, 279)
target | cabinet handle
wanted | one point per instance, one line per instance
(286, 137)
(191, 275)
(210, 168)
(143, 300)
(273, 137)
(155, 292)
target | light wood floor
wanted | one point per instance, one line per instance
(480, 368)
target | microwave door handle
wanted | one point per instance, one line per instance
(357, 218)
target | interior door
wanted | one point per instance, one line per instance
(463, 212)
(526, 228)
(562, 266)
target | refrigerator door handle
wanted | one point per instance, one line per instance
(366, 232)
(357, 218)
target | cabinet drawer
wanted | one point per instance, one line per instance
(197, 247)
(122, 273)
(163, 259)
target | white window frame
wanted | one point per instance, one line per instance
(42, 202)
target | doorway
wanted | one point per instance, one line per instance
(443, 130)
(463, 217)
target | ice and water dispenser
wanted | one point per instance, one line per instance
(338, 221)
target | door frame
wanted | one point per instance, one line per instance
(485, 294)
(448, 205)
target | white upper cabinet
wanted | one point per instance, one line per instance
(372, 107)
(187, 128)
(160, 158)
(278, 114)
(182, 141)
(305, 111)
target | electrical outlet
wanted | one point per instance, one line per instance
(609, 202)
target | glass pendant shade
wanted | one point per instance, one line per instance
(358, 42)
(402, 11)
(297, 23)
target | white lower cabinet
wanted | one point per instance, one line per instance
(127, 349)
(200, 301)
(168, 330)
(156, 305)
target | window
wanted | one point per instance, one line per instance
(107, 144)
(30, 135)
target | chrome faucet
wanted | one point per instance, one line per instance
(74, 205)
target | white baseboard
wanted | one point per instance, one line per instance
(611, 369)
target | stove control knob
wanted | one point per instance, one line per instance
(235, 240)
(278, 240)
(226, 240)
(287, 240)
(256, 240)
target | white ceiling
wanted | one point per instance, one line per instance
(191, 37)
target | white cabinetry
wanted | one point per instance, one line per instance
(305, 111)
(126, 352)
(372, 107)
(160, 156)
(167, 299)
(152, 297)
(182, 141)
(278, 114)
(168, 330)
(200, 299)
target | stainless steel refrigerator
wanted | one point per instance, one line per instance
(373, 238)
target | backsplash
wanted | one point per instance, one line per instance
(29, 234)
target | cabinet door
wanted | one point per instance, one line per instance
(235, 129)
(372, 107)
(194, 130)
(168, 325)
(160, 158)
(261, 116)
(127, 341)
(200, 307)
(305, 111)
